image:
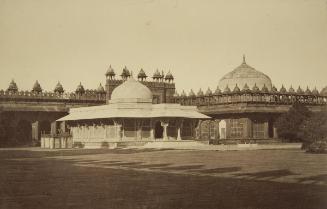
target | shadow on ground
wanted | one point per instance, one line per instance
(52, 183)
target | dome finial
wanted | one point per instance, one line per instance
(244, 59)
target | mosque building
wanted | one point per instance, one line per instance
(129, 118)
(245, 106)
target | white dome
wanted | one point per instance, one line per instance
(245, 74)
(131, 91)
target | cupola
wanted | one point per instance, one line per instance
(156, 76)
(36, 87)
(282, 90)
(307, 91)
(246, 88)
(110, 74)
(125, 74)
(227, 90)
(169, 77)
(100, 89)
(236, 89)
(255, 89)
(12, 88)
(291, 90)
(264, 89)
(299, 90)
(80, 89)
(58, 88)
(141, 75)
(217, 91)
(200, 93)
(208, 92)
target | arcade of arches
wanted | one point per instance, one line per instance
(241, 128)
(24, 128)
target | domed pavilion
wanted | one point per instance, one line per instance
(245, 106)
(131, 117)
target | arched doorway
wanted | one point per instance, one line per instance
(23, 132)
(158, 130)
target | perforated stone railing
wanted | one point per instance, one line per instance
(50, 96)
(267, 98)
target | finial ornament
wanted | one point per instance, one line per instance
(244, 59)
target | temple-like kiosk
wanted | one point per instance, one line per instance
(130, 118)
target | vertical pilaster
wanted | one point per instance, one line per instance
(164, 124)
(266, 130)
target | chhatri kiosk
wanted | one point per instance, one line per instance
(131, 118)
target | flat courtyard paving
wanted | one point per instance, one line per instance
(148, 178)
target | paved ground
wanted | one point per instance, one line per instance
(261, 179)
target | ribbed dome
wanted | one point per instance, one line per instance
(131, 91)
(245, 74)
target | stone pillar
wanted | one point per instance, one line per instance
(36, 136)
(247, 128)
(164, 134)
(266, 130)
(118, 125)
(138, 129)
(53, 128)
(63, 127)
(275, 133)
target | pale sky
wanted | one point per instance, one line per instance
(198, 40)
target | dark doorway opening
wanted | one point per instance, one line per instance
(158, 131)
(24, 132)
(45, 128)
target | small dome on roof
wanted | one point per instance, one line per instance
(273, 89)
(236, 89)
(200, 93)
(324, 91)
(245, 74)
(191, 94)
(12, 86)
(80, 89)
(291, 90)
(299, 90)
(156, 74)
(208, 92)
(110, 72)
(169, 76)
(100, 89)
(36, 87)
(282, 89)
(131, 91)
(307, 91)
(315, 91)
(141, 74)
(246, 88)
(125, 73)
(227, 89)
(217, 91)
(59, 89)
(264, 89)
(255, 88)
